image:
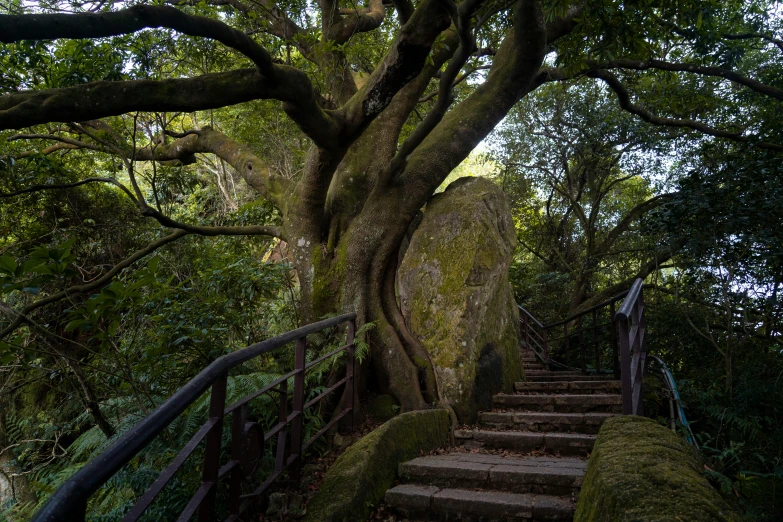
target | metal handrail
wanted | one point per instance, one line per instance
(69, 502)
(602, 304)
(627, 328)
(674, 397)
(633, 296)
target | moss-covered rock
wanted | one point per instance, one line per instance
(357, 481)
(453, 283)
(382, 407)
(640, 471)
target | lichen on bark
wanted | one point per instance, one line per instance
(456, 295)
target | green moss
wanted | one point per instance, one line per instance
(640, 471)
(382, 408)
(357, 481)
(329, 273)
(421, 362)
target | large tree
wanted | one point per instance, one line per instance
(380, 93)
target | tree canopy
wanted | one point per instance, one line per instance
(142, 140)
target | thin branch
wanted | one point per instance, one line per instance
(661, 65)
(97, 283)
(14, 28)
(461, 78)
(254, 230)
(625, 102)
(55, 186)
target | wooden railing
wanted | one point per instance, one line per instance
(69, 502)
(625, 346)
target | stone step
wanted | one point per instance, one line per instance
(432, 503)
(569, 386)
(553, 373)
(525, 441)
(545, 421)
(545, 475)
(561, 403)
(557, 377)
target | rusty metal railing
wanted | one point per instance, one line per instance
(633, 353)
(625, 328)
(69, 502)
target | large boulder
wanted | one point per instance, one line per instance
(456, 296)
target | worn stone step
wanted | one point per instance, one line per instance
(558, 377)
(546, 475)
(554, 373)
(569, 386)
(432, 503)
(566, 403)
(525, 441)
(545, 421)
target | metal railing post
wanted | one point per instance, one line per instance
(567, 345)
(615, 353)
(209, 476)
(282, 435)
(238, 417)
(349, 373)
(595, 342)
(546, 349)
(625, 367)
(582, 349)
(297, 425)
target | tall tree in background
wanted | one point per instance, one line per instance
(584, 176)
(380, 96)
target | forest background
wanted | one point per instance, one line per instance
(681, 186)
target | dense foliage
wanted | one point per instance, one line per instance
(181, 178)
(707, 240)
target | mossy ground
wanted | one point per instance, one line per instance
(357, 481)
(640, 471)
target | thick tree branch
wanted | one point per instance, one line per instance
(461, 18)
(625, 102)
(207, 140)
(360, 21)
(404, 10)
(633, 215)
(402, 63)
(101, 99)
(517, 62)
(651, 265)
(14, 28)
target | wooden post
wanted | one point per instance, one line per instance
(567, 345)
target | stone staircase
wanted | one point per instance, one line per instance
(525, 460)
